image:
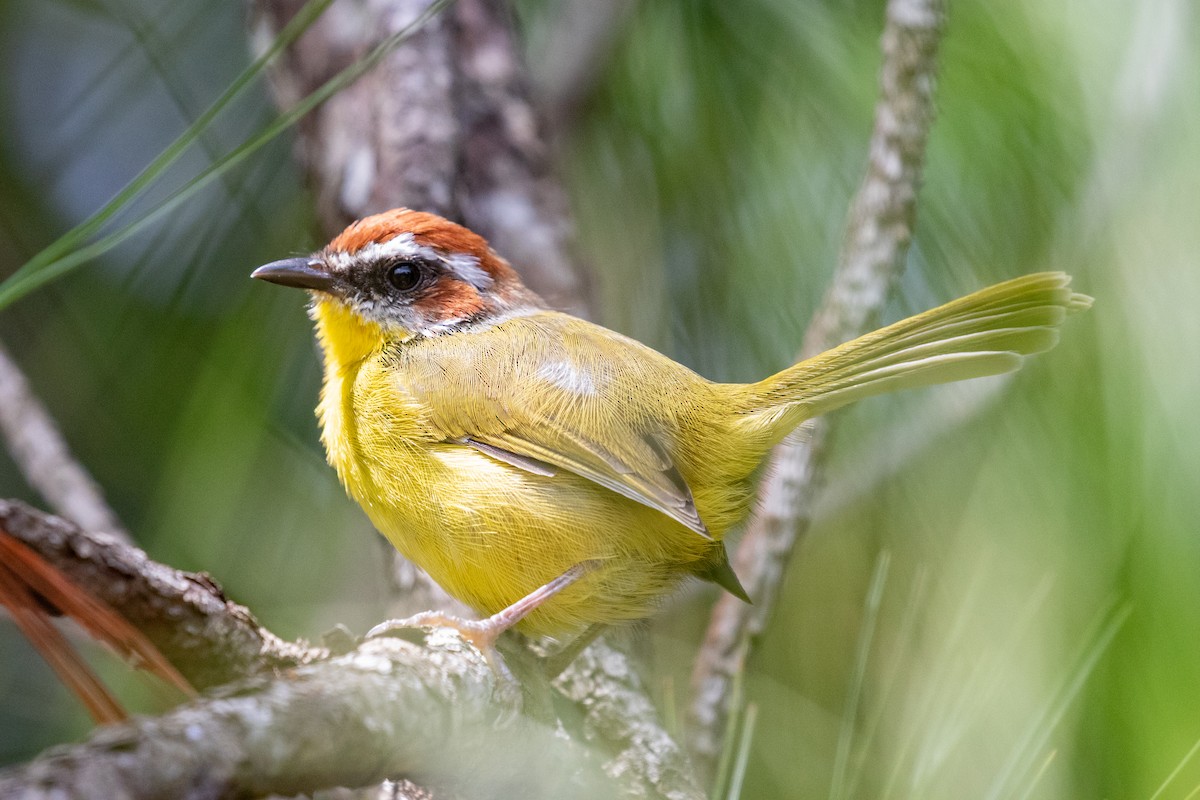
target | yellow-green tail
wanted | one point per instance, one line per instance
(985, 333)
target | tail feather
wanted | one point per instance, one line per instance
(985, 333)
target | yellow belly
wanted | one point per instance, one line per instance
(490, 533)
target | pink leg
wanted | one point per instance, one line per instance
(484, 633)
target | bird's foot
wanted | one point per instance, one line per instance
(484, 633)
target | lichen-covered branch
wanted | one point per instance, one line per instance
(254, 742)
(617, 712)
(878, 232)
(388, 709)
(207, 637)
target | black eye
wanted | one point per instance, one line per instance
(404, 276)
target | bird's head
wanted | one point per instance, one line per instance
(408, 272)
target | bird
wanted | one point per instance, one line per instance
(555, 475)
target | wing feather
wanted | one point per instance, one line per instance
(544, 409)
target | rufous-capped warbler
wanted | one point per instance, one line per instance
(553, 473)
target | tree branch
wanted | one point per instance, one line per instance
(387, 709)
(296, 720)
(616, 710)
(878, 233)
(208, 638)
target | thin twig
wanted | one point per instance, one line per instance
(878, 233)
(42, 455)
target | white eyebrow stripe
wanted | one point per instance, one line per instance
(403, 246)
(461, 265)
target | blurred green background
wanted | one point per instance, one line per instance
(1033, 543)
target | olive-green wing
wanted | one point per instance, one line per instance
(549, 406)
